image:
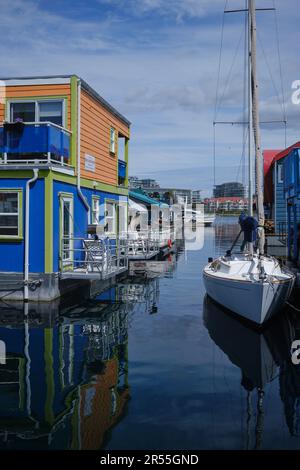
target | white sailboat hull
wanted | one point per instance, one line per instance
(245, 294)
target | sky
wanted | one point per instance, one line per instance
(157, 62)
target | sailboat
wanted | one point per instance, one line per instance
(250, 284)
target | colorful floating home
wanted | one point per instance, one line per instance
(63, 172)
(292, 196)
(274, 193)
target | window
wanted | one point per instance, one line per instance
(51, 111)
(10, 213)
(112, 144)
(110, 218)
(37, 111)
(280, 173)
(95, 210)
(22, 112)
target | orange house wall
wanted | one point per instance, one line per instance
(27, 91)
(96, 122)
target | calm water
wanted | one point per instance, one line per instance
(152, 364)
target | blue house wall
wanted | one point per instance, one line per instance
(292, 195)
(12, 252)
(80, 214)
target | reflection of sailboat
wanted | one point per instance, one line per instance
(64, 383)
(246, 348)
(258, 355)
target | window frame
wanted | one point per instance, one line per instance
(112, 141)
(66, 263)
(19, 192)
(97, 211)
(36, 102)
(280, 174)
(106, 217)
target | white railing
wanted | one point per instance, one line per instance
(142, 244)
(104, 256)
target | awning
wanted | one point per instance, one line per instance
(136, 207)
(146, 199)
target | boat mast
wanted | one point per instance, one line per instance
(256, 129)
(250, 176)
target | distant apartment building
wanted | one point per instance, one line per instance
(225, 204)
(168, 195)
(231, 189)
(196, 196)
(135, 182)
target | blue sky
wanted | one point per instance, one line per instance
(157, 62)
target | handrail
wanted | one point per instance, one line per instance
(105, 256)
(36, 161)
(39, 123)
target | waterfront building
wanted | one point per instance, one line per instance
(274, 192)
(196, 196)
(170, 195)
(291, 185)
(231, 189)
(63, 170)
(135, 182)
(225, 204)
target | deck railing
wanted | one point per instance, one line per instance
(85, 256)
(34, 143)
(142, 244)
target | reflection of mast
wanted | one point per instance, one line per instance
(248, 422)
(259, 419)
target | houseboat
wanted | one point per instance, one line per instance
(291, 182)
(63, 188)
(150, 229)
(274, 193)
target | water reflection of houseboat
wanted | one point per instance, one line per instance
(65, 384)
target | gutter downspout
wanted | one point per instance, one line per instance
(83, 199)
(27, 214)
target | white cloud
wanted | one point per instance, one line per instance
(162, 76)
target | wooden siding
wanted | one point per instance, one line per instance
(96, 122)
(45, 90)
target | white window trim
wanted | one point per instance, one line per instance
(97, 211)
(114, 231)
(36, 102)
(66, 198)
(280, 173)
(123, 206)
(19, 214)
(112, 142)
